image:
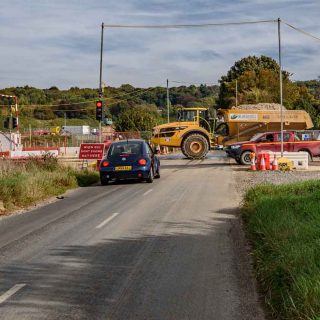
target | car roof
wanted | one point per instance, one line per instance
(129, 140)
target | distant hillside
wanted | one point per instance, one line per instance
(52, 107)
(49, 107)
(313, 87)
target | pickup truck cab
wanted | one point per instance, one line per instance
(271, 141)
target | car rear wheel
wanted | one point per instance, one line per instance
(104, 181)
(151, 176)
(245, 158)
(157, 175)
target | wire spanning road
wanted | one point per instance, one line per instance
(168, 250)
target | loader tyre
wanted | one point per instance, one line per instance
(195, 146)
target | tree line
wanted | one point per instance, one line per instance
(131, 108)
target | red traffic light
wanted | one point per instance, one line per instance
(99, 104)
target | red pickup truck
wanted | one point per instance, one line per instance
(271, 141)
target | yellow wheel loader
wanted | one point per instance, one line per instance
(195, 132)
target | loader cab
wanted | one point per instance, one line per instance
(199, 117)
(188, 115)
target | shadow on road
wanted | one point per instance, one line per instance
(185, 272)
(198, 165)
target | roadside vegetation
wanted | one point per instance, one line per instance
(283, 225)
(25, 183)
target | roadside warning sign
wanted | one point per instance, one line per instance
(91, 151)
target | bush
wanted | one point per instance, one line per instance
(22, 184)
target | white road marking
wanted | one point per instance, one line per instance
(11, 292)
(103, 223)
(147, 192)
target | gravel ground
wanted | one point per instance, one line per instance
(246, 179)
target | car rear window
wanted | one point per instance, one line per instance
(125, 148)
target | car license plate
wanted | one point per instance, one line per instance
(123, 168)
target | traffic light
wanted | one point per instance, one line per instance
(9, 123)
(6, 123)
(99, 110)
(14, 123)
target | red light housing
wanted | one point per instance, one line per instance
(105, 163)
(142, 162)
(99, 104)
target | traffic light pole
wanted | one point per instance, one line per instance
(100, 133)
(168, 102)
(13, 121)
(280, 80)
(17, 113)
(10, 117)
(101, 55)
(100, 80)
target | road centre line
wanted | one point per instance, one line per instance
(147, 192)
(11, 292)
(103, 223)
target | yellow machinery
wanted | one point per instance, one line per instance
(55, 131)
(192, 132)
(196, 133)
(241, 125)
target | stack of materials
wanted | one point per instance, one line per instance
(259, 106)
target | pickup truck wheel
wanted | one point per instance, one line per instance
(195, 146)
(245, 158)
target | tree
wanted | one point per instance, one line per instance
(43, 114)
(258, 81)
(138, 118)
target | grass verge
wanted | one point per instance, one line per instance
(23, 184)
(283, 225)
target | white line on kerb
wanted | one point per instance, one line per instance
(103, 223)
(147, 192)
(11, 292)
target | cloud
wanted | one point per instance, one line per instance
(46, 43)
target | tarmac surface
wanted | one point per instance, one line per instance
(173, 249)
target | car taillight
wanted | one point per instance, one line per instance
(142, 162)
(105, 163)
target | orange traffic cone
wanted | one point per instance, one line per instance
(253, 163)
(275, 166)
(262, 164)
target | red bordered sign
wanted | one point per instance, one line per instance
(91, 151)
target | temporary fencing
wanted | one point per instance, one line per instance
(75, 140)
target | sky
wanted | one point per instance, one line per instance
(48, 43)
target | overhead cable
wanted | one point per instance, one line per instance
(133, 94)
(128, 93)
(192, 83)
(173, 26)
(302, 31)
(115, 102)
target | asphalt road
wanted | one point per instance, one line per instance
(173, 249)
